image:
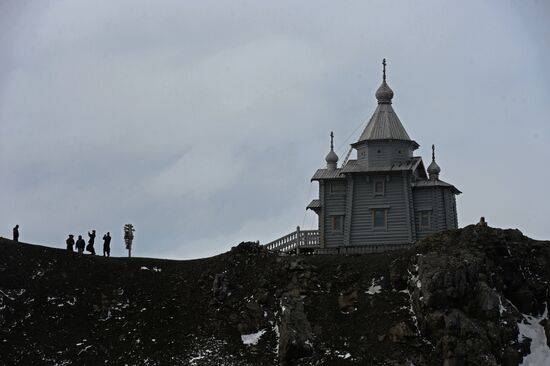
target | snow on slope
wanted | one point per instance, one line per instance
(540, 352)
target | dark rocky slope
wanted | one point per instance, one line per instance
(456, 298)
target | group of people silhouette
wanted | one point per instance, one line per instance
(80, 244)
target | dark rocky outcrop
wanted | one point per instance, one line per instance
(296, 337)
(468, 289)
(453, 299)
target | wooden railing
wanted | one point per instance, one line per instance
(309, 239)
(295, 240)
(365, 249)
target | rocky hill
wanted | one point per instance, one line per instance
(475, 296)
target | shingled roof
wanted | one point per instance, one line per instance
(384, 123)
(435, 183)
(358, 166)
(322, 174)
(313, 205)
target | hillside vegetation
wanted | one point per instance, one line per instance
(456, 298)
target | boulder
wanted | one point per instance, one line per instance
(295, 333)
(399, 332)
(347, 301)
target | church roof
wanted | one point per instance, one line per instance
(315, 204)
(384, 123)
(435, 183)
(360, 166)
(321, 174)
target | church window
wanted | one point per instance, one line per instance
(337, 223)
(379, 218)
(425, 219)
(379, 187)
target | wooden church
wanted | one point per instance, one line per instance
(385, 199)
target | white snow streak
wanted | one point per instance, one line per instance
(252, 338)
(530, 328)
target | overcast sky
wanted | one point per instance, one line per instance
(202, 122)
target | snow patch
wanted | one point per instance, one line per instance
(192, 360)
(530, 328)
(343, 355)
(252, 338)
(277, 334)
(374, 288)
(414, 278)
(203, 354)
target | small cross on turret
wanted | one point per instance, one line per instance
(384, 69)
(331, 158)
(434, 169)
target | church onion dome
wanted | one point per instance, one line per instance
(433, 168)
(331, 158)
(384, 94)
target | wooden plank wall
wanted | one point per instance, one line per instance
(362, 231)
(334, 204)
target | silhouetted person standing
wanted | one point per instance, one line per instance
(90, 247)
(16, 233)
(107, 244)
(70, 243)
(80, 243)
